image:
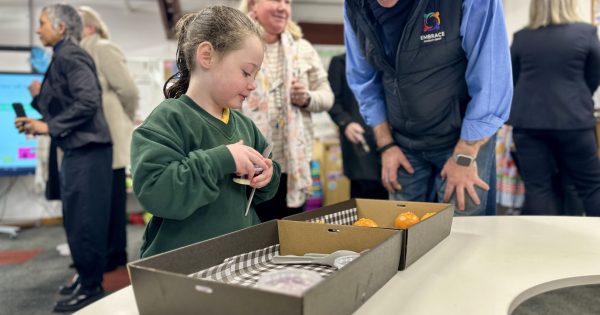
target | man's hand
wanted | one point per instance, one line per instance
(391, 160)
(354, 132)
(460, 178)
(31, 126)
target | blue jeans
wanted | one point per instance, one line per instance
(427, 185)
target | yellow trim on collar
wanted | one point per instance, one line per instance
(225, 116)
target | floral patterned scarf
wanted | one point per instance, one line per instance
(256, 107)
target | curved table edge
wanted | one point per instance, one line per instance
(550, 286)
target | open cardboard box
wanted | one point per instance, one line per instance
(162, 284)
(417, 240)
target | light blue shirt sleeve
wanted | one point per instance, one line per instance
(489, 73)
(364, 80)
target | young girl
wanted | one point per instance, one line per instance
(185, 154)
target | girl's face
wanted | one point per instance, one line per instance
(272, 15)
(233, 76)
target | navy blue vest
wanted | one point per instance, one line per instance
(425, 90)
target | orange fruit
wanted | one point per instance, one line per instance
(365, 222)
(405, 219)
(427, 215)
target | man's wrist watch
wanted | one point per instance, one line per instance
(464, 160)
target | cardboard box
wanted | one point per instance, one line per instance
(417, 240)
(162, 285)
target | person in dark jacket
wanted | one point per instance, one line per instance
(556, 69)
(70, 102)
(362, 164)
(433, 80)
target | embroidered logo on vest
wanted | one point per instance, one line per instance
(431, 22)
(431, 28)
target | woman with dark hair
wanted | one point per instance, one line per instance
(70, 101)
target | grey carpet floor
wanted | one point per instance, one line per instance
(581, 300)
(31, 288)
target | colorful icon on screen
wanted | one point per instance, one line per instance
(26, 153)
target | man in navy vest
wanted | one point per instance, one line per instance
(433, 78)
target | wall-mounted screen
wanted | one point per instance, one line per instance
(17, 151)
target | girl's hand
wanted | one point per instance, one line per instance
(246, 158)
(264, 178)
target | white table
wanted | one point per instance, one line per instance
(487, 265)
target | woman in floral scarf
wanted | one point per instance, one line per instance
(290, 86)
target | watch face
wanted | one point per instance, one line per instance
(464, 160)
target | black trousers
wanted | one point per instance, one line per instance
(117, 233)
(277, 208)
(370, 189)
(573, 153)
(86, 179)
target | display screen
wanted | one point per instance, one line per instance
(17, 151)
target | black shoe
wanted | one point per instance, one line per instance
(68, 289)
(80, 298)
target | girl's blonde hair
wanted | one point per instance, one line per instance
(291, 27)
(92, 18)
(224, 27)
(551, 12)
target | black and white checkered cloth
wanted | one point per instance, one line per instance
(246, 269)
(346, 217)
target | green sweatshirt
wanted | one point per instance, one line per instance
(183, 171)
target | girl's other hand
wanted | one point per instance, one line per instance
(264, 178)
(246, 158)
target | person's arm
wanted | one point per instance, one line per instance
(365, 81)
(349, 127)
(170, 183)
(592, 64)
(87, 100)
(113, 67)
(489, 80)
(336, 73)
(488, 74)
(319, 91)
